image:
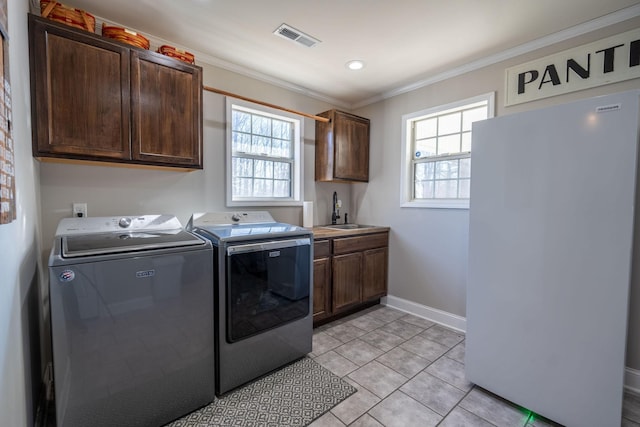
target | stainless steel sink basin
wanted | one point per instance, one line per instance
(347, 226)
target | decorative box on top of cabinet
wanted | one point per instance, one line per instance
(342, 148)
(101, 100)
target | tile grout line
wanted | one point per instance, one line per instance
(466, 393)
(412, 377)
(375, 359)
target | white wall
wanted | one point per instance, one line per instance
(428, 247)
(20, 370)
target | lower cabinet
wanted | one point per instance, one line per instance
(374, 273)
(348, 273)
(321, 280)
(347, 281)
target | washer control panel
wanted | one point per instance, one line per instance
(94, 225)
(124, 222)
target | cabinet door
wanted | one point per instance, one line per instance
(347, 280)
(374, 280)
(166, 99)
(351, 135)
(80, 93)
(324, 148)
(321, 288)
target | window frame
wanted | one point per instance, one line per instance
(297, 174)
(407, 199)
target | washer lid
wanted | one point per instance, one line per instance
(108, 243)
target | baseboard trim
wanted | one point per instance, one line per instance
(632, 380)
(459, 323)
(443, 318)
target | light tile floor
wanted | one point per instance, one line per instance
(410, 372)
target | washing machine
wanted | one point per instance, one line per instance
(131, 321)
(263, 293)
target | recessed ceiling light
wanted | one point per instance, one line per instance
(356, 64)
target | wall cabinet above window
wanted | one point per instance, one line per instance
(97, 99)
(342, 148)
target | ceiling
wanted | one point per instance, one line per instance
(402, 42)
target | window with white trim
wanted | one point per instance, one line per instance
(264, 155)
(436, 168)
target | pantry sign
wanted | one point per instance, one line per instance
(606, 61)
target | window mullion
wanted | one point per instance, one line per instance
(262, 157)
(414, 148)
(437, 135)
(464, 155)
(460, 133)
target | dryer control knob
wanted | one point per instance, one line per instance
(124, 222)
(235, 217)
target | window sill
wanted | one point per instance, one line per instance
(257, 203)
(436, 204)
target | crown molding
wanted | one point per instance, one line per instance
(569, 33)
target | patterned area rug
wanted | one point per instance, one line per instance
(293, 396)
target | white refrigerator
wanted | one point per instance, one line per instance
(550, 255)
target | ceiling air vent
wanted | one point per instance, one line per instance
(288, 32)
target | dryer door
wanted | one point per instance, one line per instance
(268, 285)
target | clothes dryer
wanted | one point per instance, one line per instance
(263, 281)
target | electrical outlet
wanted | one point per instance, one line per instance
(80, 210)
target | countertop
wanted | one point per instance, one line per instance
(322, 232)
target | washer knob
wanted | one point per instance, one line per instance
(124, 222)
(235, 217)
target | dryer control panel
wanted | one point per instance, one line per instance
(229, 218)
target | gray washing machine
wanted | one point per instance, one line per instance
(132, 321)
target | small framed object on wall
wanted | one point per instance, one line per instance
(7, 160)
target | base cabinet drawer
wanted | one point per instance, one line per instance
(321, 249)
(360, 243)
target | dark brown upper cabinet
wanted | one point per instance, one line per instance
(97, 99)
(342, 148)
(166, 102)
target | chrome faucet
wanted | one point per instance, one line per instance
(335, 215)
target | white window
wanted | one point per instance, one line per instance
(436, 166)
(264, 155)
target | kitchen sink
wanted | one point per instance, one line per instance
(347, 226)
